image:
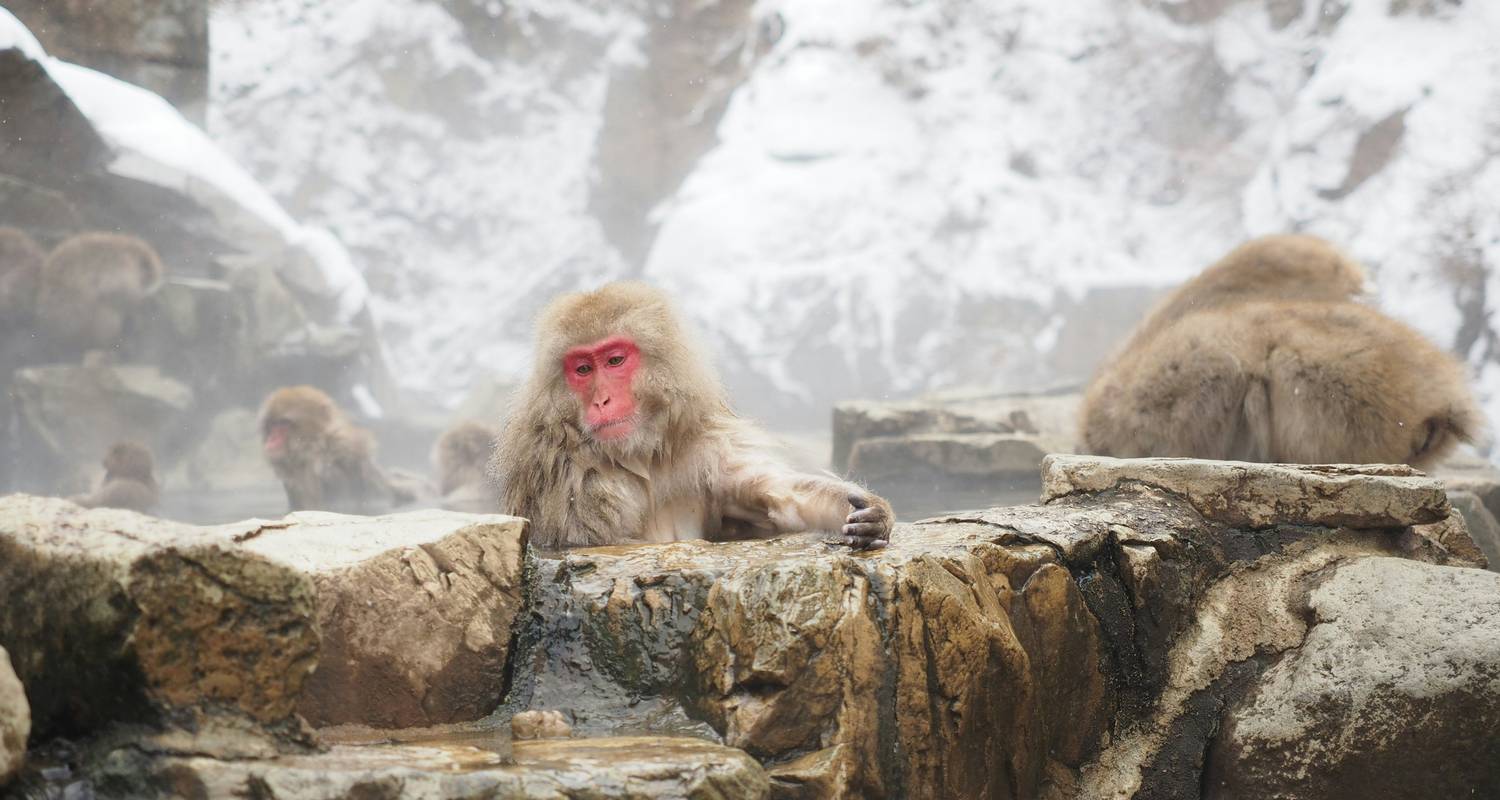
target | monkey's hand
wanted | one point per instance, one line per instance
(868, 527)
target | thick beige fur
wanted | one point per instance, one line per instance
(690, 469)
(1266, 357)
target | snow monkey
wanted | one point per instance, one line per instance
(460, 457)
(623, 433)
(323, 460)
(129, 480)
(1270, 373)
(1284, 267)
(92, 285)
(20, 265)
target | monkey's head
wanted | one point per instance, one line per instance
(461, 454)
(130, 460)
(618, 366)
(1292, 266)
(292, 417)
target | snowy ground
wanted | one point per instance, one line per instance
(904, 195)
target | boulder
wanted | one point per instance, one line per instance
(114, 616)
(1483, 528)
(15, 720)
(627, 767)
(69, 415)
(227, 458)
(1049, 416)
(1258, 495)
(885, 459)
(414, 612)
(1393, 692)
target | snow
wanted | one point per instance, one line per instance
(154, 143)
(14, 35)
(902, 197)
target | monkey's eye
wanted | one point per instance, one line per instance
(583, 369)
(615, 361)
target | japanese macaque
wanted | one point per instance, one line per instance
(91, 286)
(129, 480)
(1247, 375)
(323, 460)
(20, 265)
(461, 457)
(623, 434)
(1282, 267)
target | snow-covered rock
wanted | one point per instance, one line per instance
(902, 196)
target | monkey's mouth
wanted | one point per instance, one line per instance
(614, 429)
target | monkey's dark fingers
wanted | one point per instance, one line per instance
(865, 542)
(859, 500)
(872, 529)
(871, 514)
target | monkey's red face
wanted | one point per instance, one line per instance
(600, 375)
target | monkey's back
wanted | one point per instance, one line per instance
(1291, 381)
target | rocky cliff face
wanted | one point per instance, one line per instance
(1157, 628)
(868, 200)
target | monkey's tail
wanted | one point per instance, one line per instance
(153, 274)
(1446, 429)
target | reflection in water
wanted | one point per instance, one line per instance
(214, 507)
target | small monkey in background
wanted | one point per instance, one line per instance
(1242, 364)
(129, 480)
(460, 457)
(91, 286)
(624, 434)
(20, 267)
(324, 461)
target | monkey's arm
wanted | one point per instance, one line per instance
(792, 501)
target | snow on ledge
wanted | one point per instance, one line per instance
(154, 143)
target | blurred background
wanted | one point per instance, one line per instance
(874, 200)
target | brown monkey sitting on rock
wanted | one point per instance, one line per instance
(623, 434)
(1264, 357)
(129, 480)
(90, 288)
(324, 461)
(461, 457)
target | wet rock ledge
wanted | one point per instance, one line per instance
(1155, 628)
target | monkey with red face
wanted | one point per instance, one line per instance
(624, 434)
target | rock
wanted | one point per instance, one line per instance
(15, 721)
(414, 611)
(1053, 417)
(69, 415)
(885, 459)
(159, 44)
(548, 724)
(227, 458)
(1483, 528)
(627, 767)
(961, 653)
(1257, 495)
(115, 616)
(1394, 692)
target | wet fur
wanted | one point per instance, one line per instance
(461, 458)
(699, 461)
(129, 480)
(328, 464)
(91, 286)
(1230, 366)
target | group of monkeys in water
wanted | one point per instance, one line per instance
(623, 432)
